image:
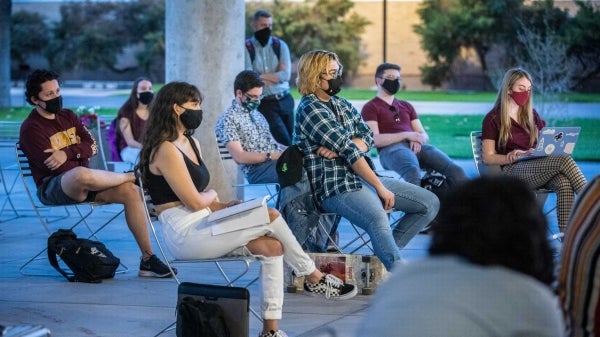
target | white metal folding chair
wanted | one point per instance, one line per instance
(228, 162)
(243, 261)
(45, 220)
(483, 169)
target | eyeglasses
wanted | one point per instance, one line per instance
(254, 97)
(396, 116)
(334, 73)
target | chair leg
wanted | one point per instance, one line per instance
(168, 328)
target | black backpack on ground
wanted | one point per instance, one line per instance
(435, 182)
(89, 261)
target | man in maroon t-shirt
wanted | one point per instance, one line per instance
(399, 135)
(58, 148)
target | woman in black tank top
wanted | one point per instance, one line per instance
(172, 167)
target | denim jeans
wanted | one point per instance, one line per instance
(280, 115)
(263, 173)
(363, 208)
(399, 158)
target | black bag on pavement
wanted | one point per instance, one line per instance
(196, 318)
(89, 261)
(435, 182)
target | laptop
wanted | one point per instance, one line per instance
(555, 140)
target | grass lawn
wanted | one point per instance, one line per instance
(449, 133)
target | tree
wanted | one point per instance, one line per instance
(507, 27)
(86, 37)
(584, 40)
(94, 35)
(144, 21)
(449, 25)
(320, 24)
(25, 44)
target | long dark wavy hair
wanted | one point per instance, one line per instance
(495, 221)
(162, 123)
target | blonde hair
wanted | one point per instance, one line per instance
(310, 67)
(524, 114)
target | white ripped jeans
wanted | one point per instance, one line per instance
(188, 235)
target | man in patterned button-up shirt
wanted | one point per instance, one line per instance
(245, 132)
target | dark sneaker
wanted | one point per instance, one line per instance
(154, 267)
(272, 333)
(331, 287)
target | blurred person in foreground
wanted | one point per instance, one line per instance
(579, 279)
(488, 273)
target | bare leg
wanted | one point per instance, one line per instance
(112, 188)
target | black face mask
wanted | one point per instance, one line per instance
(335, 86)
(263, 36)
(54, 105)
(191, 119)
(391, 86)
(146, 97)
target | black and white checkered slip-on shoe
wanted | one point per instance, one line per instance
(330, 287)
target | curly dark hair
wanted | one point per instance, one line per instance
(162, 123)
(34, 82)
(495, 221)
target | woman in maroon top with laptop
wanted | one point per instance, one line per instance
(511, 130)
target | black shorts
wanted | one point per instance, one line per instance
(50, 192)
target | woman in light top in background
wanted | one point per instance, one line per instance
(510, 131)
(132, 118)
(174, 172)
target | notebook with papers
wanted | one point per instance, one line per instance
(555, 140)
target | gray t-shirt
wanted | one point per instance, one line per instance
(447, 296)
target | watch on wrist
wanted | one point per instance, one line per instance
(268, 157)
